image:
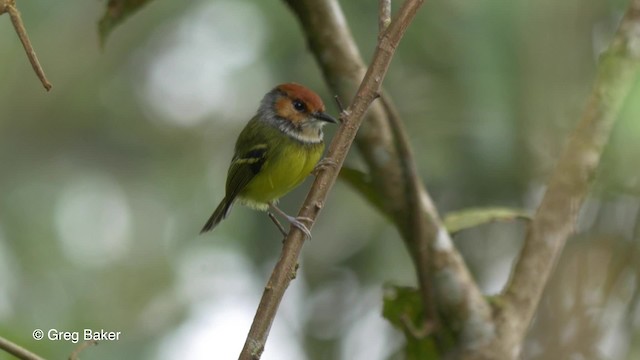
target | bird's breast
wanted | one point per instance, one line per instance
(287, 165)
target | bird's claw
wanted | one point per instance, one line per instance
(322, 164)
(298, 223)
(294, 221)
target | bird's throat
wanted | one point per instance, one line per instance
(304, 134)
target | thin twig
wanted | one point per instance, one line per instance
(17, 351)
(74, 355)
(10, 7)
(555, 219)
(384, 16)
(338, 149)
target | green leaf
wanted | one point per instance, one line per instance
(401, 303)
(468, 218)
(117, 11)
(403, 308)
(361, 182)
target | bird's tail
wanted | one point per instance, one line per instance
(220, 213)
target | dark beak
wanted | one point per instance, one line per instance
(325, 117)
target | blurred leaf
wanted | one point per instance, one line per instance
(402, 307)
(117, 11)
(361, 182)
(401, 303)
(468, 218)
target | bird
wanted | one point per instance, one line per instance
(277, 149)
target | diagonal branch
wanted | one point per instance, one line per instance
(10, 7)
(383, 142)
(17, 351)
(351, 118)
(423, 226)
(555, 219)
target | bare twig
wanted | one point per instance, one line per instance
(74, 355)
(17, 351)
(384, 16)
(10, 7)
(556, 216)
(338, 149)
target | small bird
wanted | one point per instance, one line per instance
(275, 152)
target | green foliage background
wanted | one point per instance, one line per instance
(106, 180)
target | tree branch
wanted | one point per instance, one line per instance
(424, 223)
(17, 351)
(351, 119)
(556, 216)
(10, 7)
(385, 147)
(384, 16)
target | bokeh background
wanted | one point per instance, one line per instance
(106, 180)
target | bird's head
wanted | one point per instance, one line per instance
(296, 111)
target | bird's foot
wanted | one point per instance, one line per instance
(323, 164)
(298, 222)
(294, 221)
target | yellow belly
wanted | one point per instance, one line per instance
(288, 168)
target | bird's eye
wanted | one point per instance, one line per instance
(299, 105)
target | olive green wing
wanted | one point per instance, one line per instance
(243, 168)
(250, 155)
